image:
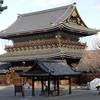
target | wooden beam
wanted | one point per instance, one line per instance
(52, 78)
(54, 84)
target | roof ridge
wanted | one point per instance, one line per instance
(62, 14)
(45, 11)
(45, 68)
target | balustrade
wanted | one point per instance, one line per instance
(44, 44)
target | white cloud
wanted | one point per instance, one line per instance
(98, 7)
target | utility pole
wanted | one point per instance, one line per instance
(2, 8)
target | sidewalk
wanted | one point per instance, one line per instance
(7, 93)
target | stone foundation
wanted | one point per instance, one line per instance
(52, 93)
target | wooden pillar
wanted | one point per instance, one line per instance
(69, 85)
(54, 84)
(42, 88)
(48, 86)
(12, 76)
(33, 93)
(99, 89)
(79, 80)
(58, 86)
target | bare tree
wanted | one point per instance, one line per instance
(92, 60)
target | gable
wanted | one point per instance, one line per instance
(75, 18)
(49, 68)
(37, 69)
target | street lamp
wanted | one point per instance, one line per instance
(2, 8)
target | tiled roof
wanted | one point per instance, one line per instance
(4, 68)
(59, 68)
(42, 20)
(77, 28)
(38, 20)
(50, 68)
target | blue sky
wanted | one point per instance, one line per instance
(89, 11)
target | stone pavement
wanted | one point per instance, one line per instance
(7, 93)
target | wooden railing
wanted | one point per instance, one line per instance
(45, 42)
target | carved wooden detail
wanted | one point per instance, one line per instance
(74, 14)
(79, 21)
(75, 18)
(51, 43)
(61, 26)
(46, 43)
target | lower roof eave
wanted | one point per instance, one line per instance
(32, 57)
(24, 58)
(34, 75)
(46, 75)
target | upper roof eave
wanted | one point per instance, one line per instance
(52, 16)
(55, 27)
(82, 30)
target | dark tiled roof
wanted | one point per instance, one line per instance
(52, 68)
(59, 68)
(4, 66)
(42, 20)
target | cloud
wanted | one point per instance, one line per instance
(98, 7)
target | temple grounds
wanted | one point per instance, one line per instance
(7, 93)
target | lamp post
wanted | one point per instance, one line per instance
(2, 8)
